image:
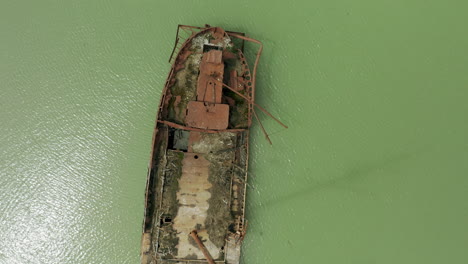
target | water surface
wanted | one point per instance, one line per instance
(373, 168)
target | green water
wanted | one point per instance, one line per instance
(373, 169)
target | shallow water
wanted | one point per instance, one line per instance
(373, 168)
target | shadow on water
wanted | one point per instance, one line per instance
(352, 175)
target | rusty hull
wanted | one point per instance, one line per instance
(197, 175)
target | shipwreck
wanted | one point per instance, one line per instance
(197, 174)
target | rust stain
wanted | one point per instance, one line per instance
(208, 112)
(211, 66)
(207, 115)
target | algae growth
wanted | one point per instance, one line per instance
(168, 239)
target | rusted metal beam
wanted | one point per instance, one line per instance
(174, 125)
(187, 26)
(202, 247)
(252, 102)
(175, 44)
(263, 129)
